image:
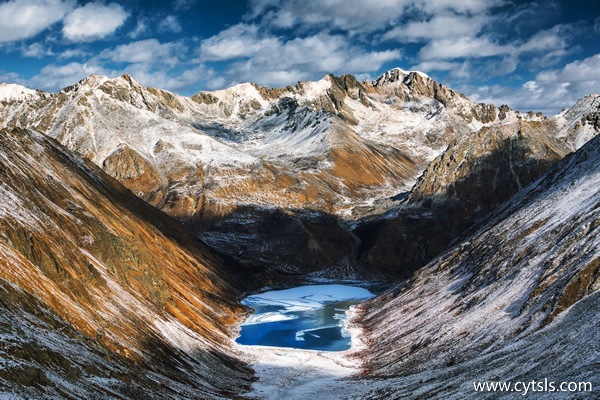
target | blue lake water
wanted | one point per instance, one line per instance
(306, 317)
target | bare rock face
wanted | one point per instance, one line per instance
(512, 301)
(133, 295)
(135, 173)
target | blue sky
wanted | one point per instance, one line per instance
(539, 56)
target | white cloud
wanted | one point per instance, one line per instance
(549, 46)
(36, 50)
(180, 5)
(170, 24)
(533, 87)
(93, 21)
(271, 60)
(9, 77)
(55, 77)
(580, 71)
(357, 15)
(185, 80)
(438, 27)
(22, 19)
(549, 92)
(342, 14)
(448, 49)
(483, 56)
(141, 27)
(72, 53)
(457, 70)
(149, 51)
(237, 41)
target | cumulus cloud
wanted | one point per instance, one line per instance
(238, 41)
(186, 80)
(22, 19)
(36, 50)
(549, 92)
(270, 60)
(180, 5)
(580, 71)
(93, 21)
(447, 49)
(438, 27)
(72, 53)
(353, 15)
(141, 27)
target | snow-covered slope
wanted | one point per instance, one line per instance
(516, 301)
(222, 144)
(581, 122)
(474, 175)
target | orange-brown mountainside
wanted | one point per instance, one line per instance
(99, 289)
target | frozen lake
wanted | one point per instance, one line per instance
(306, 317)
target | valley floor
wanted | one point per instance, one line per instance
(297, 374)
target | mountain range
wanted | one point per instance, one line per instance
(134, 219)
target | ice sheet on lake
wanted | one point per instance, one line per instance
(268, 317)
(311, 297)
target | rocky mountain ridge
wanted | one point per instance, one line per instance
(240, 166)
(308, 156)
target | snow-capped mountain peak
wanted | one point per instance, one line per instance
(93, 80)
(396, 75)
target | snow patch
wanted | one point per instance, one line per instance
(11, 91)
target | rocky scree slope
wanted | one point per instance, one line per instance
(239, 166)
(101, 294)
(517, 300)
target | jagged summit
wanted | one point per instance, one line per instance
(581, 122)
(396, 75)
(93, 80)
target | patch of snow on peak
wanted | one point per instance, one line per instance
(12, 91)
(314, 90)
(573, 121)
(244, 90)
(94, 80)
